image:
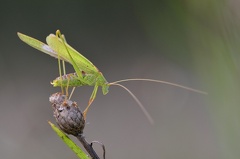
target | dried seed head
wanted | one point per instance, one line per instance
(67, 114)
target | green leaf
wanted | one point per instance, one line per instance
(76, 149)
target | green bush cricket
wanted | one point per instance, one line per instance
(86, 73)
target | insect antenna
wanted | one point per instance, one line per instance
(160, 81)
(150, 119)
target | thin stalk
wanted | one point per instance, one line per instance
(88, 147)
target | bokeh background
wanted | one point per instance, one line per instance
(193, 43)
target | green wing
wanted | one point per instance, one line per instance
(38, 45)
(56, 47)
(82, 62)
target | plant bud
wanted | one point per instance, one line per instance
(67, 114)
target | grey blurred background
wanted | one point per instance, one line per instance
(193, 43)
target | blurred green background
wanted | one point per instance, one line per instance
(194, 43)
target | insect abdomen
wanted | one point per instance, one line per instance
(70, 80)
